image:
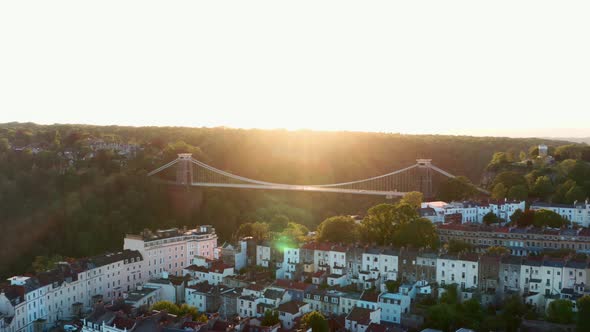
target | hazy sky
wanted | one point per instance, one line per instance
(517, 68)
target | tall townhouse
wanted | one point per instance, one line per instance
(407, 264)
(460, 270)
(426, 266)
(173, 249)
(509, 275)
(292, 266)
(576, 276)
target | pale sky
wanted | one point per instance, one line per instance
(518, 68)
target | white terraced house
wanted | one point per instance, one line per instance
(463, 271)
(70, 288)
(470, 212)
(173, 249)
(577, 213)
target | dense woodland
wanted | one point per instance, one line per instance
(564, 177)
(59, 195)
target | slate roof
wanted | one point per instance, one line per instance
(289, 284)
(370, 296)
(273, 294)
(291, 307)
(360, 315)
(110, 258)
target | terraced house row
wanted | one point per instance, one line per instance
(72, 288)
(489, 278)
(355, 283)
(520, 241)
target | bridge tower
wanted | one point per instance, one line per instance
(426, 178)
(184, 169)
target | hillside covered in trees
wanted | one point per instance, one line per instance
(75, 190)
(561, 177)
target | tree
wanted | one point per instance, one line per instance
(515, 217)
(543, 187)
(419, 233)
(456, 189)
(570, 151)
(490, 218)
(338, 229)
(583, 323)
(518, 193)
(314, 321)
(182, 310)
(4, 145)
(296, 232)
(499, 160)
(446, 314)
(413, 198)
(562, 190)
(497, 250)
(443, 317)
(271, 318)
(383, 221)
(193, 312)
(167, 306)
(499, 192)
(393, 286)
(472, 314)
(560, 311)
(527, 218)
(257, 230)
(380, 224)
(509, 179)
(512, 313)
(548, 218)
(44, 263)
(575, 194)
(456, 247)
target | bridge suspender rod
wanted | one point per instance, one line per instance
(241, 178)
(161, 168)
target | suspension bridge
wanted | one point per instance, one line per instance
(423, 176)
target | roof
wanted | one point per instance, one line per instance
(100, 315)
(215, 267)
(138, 294)
(159, 234)
(255, 287)
(289, 284)
(557, 205)
(554, 263)
(291, 307)
(533, 261)
(219, 267)
(123, 323)
(383, 328)
(202, 287)
(273, 294)
(373, 251)
(197, 268)
(250, 298)
(576, 264)
(15, 294)
(435, 204)
(360, 315)
(370, 296)
(110, 258)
